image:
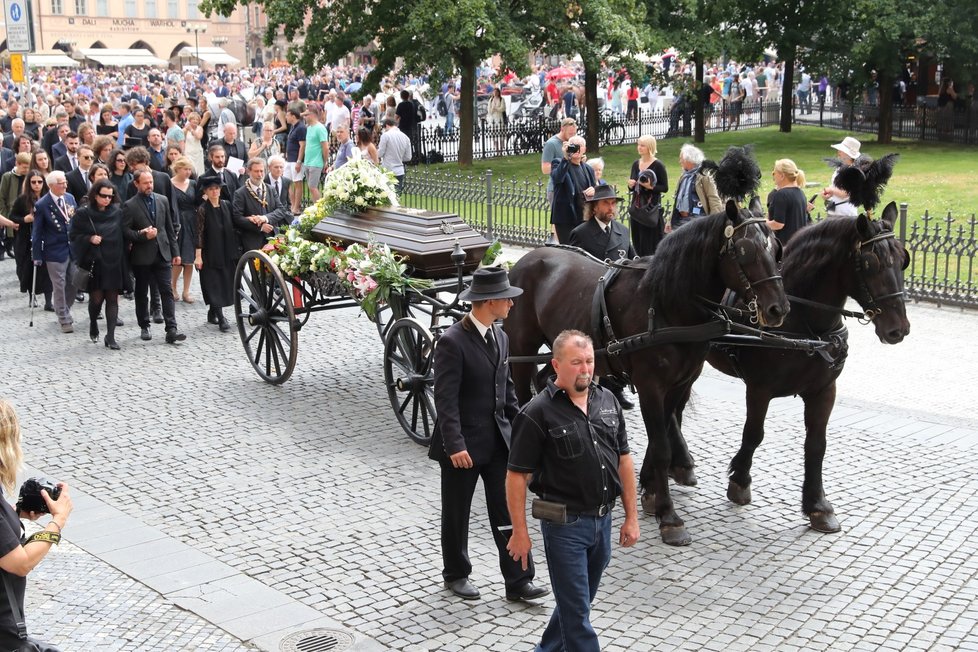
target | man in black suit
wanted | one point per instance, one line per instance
(54, 137)
(68, 148)
(601, 235)
(137, 158)
(148, 225)
(276, 179)
(157, 153)
(78, 178)
(7, 160)
(218, 159)
(476, 402)
(255, 210)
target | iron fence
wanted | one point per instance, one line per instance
(435, 144)
(515, 211)
(925, 121)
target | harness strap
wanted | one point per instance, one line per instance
(826, 307)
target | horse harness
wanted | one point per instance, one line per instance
(743, 252)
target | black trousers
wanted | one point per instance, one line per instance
(156, 275)
(457, 489)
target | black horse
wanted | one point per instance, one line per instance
(697, 262)
(823, 265)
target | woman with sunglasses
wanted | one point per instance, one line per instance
(119, 173)
(22, 213)
(97, 244)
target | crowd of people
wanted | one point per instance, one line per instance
(119, 183)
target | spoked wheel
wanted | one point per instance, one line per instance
(408, 354)
(266, 317)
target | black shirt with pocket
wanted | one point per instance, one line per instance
(573, 456)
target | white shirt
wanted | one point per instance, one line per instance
(341, 116)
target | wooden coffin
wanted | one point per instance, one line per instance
(427, 238)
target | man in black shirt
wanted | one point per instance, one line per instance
(407, 122)
(569, 446)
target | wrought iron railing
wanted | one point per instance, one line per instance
(924, 121)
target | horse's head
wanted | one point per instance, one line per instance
(878, 276)
(748, 263)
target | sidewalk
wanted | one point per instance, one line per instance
(224, 513)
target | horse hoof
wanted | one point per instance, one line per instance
(648, 503)
(737, 494)
(683, 476)
(675, 535)
(824, 522)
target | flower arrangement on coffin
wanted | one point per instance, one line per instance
(369, 273)
(356, 186)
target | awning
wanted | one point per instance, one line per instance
(121, 58)
(212, 55)
(56, 59)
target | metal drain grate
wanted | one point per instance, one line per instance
(316, 640)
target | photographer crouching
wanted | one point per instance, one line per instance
(18, 556)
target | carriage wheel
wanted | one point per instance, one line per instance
(265, 316)
(408, 373)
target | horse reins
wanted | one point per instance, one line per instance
(743, 256)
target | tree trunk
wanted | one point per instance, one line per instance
(591, 109)
(787, 91)
(467, 113)
(700, 134)
(884, 134)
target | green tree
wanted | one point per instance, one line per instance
(885, 32)
(436, 37)
(599, 31)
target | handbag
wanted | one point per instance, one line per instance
(649, 215)
(27, 643)
(78, 276)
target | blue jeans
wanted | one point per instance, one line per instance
(449, 121)
(577, 554)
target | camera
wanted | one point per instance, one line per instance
(31, 500)
(573, 149)
(647, 176)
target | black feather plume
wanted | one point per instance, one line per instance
(850, 179)
(833, 162)
(738, 174)
(878, 174)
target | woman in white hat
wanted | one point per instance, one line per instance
(837, 202)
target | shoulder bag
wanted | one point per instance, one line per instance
(27, 643)
(648, 214)
(79, 276)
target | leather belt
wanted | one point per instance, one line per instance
(599, 511)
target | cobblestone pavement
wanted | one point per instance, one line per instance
(311, 488)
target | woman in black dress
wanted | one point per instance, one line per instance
(138, 132)
(107, 125)
(22, 213)
(185, 215)
(97, 244)
(646, 238)
(787, 208)
(119, 173)
(217, 251)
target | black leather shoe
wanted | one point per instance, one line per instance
(211, 317)
(223, 324)
(463, 589)
(80, 297)
(157, 316)
(173, 336)
(111, 344)
(145, 335)
(119, 322)
(526, 592)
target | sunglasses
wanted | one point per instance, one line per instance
(37, 181)
(106, 196)
(86, 158)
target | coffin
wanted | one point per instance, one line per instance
(426, 238)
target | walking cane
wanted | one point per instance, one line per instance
(32, 292)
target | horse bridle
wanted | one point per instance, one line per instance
(743, 252)
(870, 262)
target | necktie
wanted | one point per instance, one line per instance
(278, 190)
(491, 343)
(62, 207)
(74, 162)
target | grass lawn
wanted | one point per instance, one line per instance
(934, 177)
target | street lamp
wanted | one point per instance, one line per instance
(197, 28)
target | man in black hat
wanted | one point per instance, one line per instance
(476, 402)
(601, 235)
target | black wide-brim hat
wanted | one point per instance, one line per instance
(207, 180)
(604, 192)
(490, 283)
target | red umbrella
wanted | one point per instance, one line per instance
(561, 73)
